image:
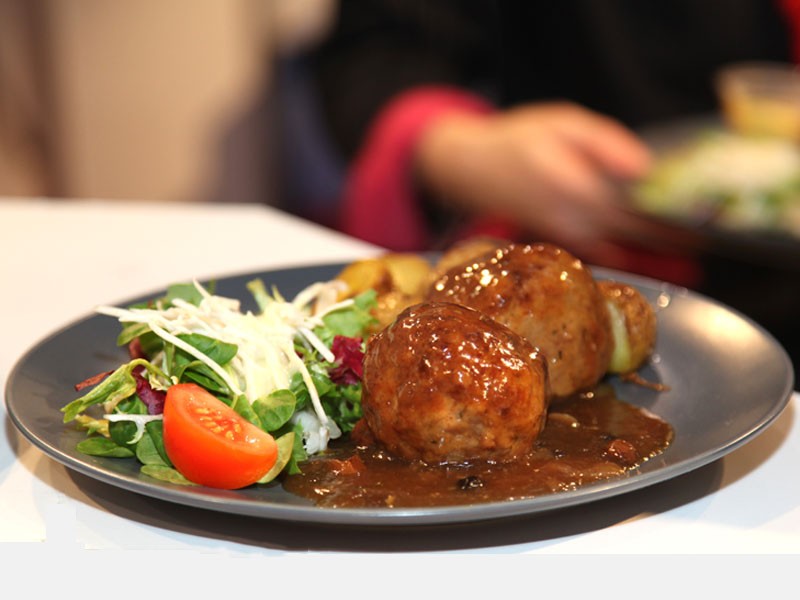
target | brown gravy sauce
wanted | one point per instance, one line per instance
(589, 437)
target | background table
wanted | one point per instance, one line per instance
(61, 258)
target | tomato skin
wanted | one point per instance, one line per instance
(210, 443)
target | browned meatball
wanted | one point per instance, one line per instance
(444, 383)
(633, 323)
(463, 251)
(546, 295)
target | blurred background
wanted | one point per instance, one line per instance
(165, 100)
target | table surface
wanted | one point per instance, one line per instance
(61, 258)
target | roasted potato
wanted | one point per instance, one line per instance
(399, 279)
(409, 272)
(633, 326)
(363, 275)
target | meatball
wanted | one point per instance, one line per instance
(546, 295)
(463, 251)
(633, 323)
(445, 384)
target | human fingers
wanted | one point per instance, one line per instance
(606, 142)
(561, 169)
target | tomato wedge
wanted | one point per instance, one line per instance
(210, 443)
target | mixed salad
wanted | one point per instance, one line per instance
(224, 397)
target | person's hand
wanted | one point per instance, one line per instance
(556, 170)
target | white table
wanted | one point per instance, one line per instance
(61, 258)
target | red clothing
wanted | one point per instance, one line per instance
(381, 204)
(791, 10)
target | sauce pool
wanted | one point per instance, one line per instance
(587, 438)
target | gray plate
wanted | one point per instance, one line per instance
(728, 379)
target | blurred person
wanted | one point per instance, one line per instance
(518, 119)
(416, 123)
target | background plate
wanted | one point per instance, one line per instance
(728, 379)
(758, 247)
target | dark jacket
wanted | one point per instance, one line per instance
(641, 61)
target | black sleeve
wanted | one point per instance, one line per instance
(378, 48)
(640, 62)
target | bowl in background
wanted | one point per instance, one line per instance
(761, 98)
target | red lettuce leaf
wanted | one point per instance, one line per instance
(349, 365)
(153, 399)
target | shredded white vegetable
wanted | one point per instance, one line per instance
(315, 435)
(266, 359)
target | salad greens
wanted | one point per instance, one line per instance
(292, 368)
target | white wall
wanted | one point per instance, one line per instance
(132, 98)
